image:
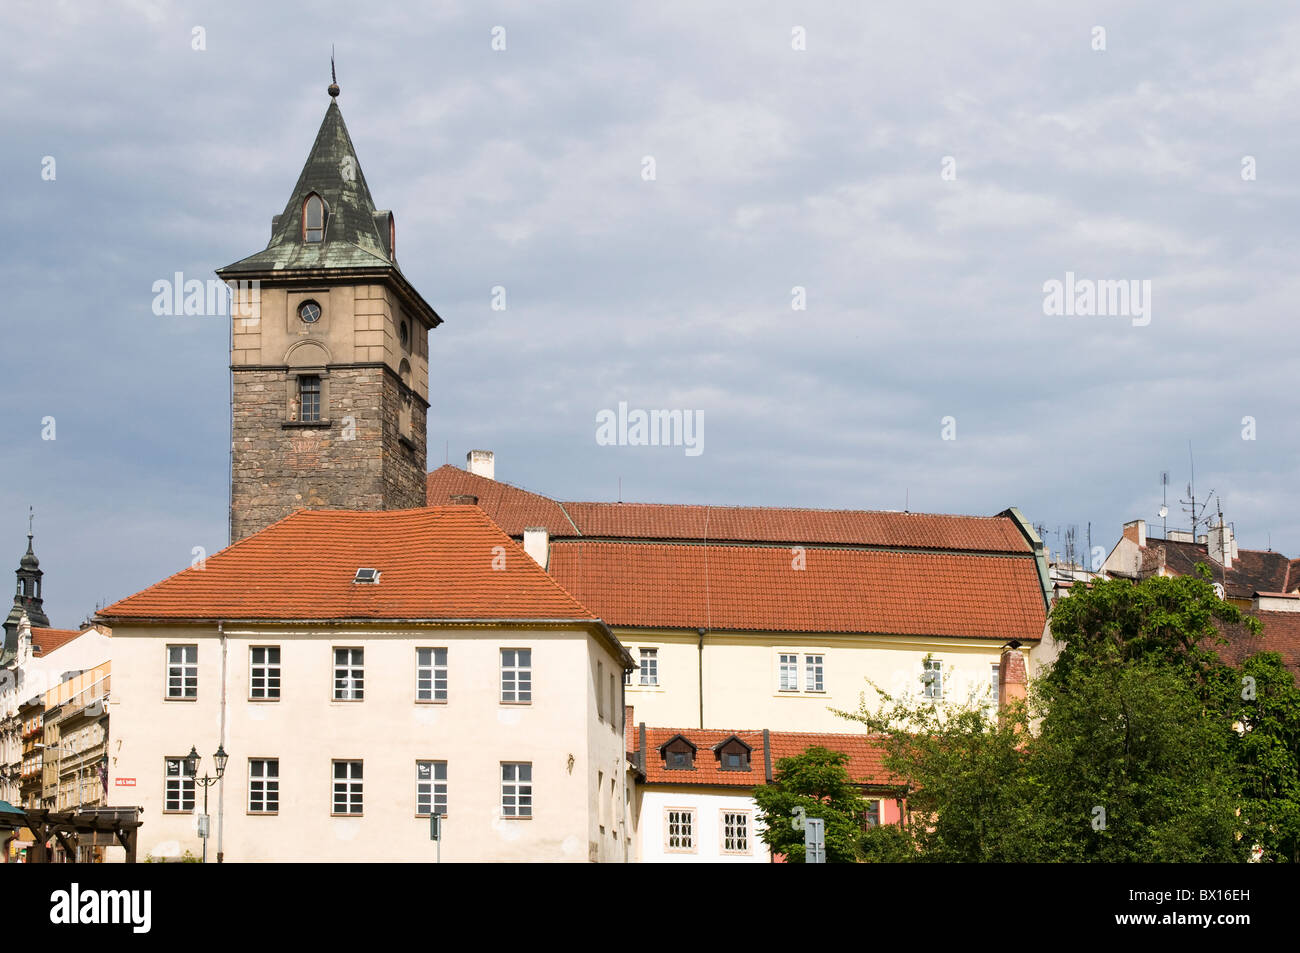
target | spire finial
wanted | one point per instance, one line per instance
(31, 513)
(334, 80)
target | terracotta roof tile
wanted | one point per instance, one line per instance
(1281, 634)
(434, 563)
(515, 509)
(51, 639)
(754, 588)
(787, 524)
(511, 508)
(866, 754)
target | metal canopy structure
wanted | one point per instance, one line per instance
(67, 827)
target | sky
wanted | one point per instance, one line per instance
(922, 172)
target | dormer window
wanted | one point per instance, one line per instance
(313, 219)
(678, 754)
(732, 754)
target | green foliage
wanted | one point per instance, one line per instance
(1268, 755)
(818, 781)
(1144, 746)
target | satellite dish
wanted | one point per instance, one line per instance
(1164, 511)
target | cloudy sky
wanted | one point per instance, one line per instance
(829, 168)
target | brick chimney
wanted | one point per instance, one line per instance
(1136, 530)
(482, 463)
(1220, 544)
(464, 499)
(1011, 676)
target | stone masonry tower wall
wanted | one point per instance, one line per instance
(329, 356)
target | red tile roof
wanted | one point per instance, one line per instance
(51, 639)
(865, 766)
(1281, 634)
(787, 524)
(435, 563)
(515, 509)
(755, 588)
(511, 508)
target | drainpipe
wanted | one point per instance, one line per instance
(221, 740)
(701, 670)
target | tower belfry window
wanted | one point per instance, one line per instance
(313, 219)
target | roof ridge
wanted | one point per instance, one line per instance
(799, 509)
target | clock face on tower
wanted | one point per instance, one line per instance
(309, 311)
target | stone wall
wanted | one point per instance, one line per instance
(357, 463)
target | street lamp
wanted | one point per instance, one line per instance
(192, 760)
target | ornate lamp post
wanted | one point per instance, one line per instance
(192, 759)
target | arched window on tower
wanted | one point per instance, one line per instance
(313, 219)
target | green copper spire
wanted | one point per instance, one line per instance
(356, 234)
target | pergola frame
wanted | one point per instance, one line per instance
(68, 826)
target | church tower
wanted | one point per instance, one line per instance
(27, 598)
(329, 354)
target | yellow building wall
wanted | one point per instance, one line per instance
(740, 676)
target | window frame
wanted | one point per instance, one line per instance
(746, 833)
(350, 666)
(791, 667)
(314, 385)
(875, 812)
(928, 690)
(433, 668)
(266, 780)
(184, 666)
(514, 669)
(193, 792)
(692, 827)
(648, 677)
(515, 784)
(819, 668)
(348, 781)
(267, 666)
(433, 784)
(307, 226)
(996, 675)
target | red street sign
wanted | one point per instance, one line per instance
(124, 782)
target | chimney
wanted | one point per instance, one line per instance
(1203, 539)
(481, 463)
(1011, 675)
(464, 499)
(537, 543)
(1222, 547)
(1136, 530)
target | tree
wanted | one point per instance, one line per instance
(1268, 755)
(1133, 756)
(818, 781)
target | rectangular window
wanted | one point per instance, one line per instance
(680, 826)
(178, 791)
(349, 675)
(431, 675)
(614, 706)
(600, 691)
(813, 671)
(264, 672)
(788, 666)
(309, 398)
(516, 789)
(996, 673)
(347, 787)
(263, 785)
(517, 676)
(430, 788)
(649, 666)
(182, 671)
(735, 832)
(873, 813)
(932, 678)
